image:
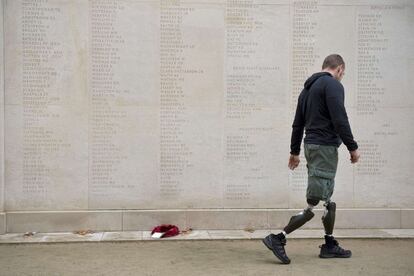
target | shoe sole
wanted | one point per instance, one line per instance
(327, 256)
(265, 241)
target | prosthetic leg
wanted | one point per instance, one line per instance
(331, 248)
(298, 220)
(276, 243)
(301, 218)
(328, 218)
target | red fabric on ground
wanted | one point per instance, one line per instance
(169, 230)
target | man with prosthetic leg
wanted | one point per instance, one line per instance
(321, 113)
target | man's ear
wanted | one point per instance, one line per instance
(339, 70)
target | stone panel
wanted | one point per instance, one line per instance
(2, 223)
(147, 220)
(255, 106)
(228, 219)
(407, 218)
(64, 221)
(123, 100)
(46, 105)
(1, 115)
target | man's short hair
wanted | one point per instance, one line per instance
(333, 61)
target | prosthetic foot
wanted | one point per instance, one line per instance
(276, 243)
(331, 249)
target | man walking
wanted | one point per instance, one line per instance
(321, 112)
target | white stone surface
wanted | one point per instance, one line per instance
(192, 235)
(227, 219)
(400, 233)
(122, 236)
(1, 116)
(407, 218)
(64, 221)
(188, 106)
(71, 237)
(131, 236)
(46, 105)
(147, 220)
(214, 219)
(228, 234)
(2, 223)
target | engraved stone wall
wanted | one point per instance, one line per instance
(116, 104)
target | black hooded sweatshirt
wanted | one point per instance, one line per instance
(321, 112)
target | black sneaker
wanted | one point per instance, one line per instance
(276, 243)
(331, 249)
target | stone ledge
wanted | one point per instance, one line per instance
(197, 219)
(128, 236)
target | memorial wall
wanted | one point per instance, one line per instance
(119, 114)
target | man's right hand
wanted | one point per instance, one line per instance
(293, 161)
(354, 156)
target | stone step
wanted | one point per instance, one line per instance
(67, 237)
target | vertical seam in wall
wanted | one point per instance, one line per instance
(223, 110)
(290, 57)
(122, 220)
(4, 111)
(268, 219)
(354, 103)
(88, 50)
(187, 226)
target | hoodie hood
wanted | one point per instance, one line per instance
(314, 77)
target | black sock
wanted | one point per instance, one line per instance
(329, 240)
(280, 235)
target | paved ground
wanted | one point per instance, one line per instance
(227, 257)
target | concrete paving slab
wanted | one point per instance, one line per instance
(70, 237)
(400, 233)
(20, 238)
(304, 234)
(361, 233)
(122, 236)
(228, 234)
(257, 234)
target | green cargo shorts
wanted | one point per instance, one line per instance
(322, 162)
